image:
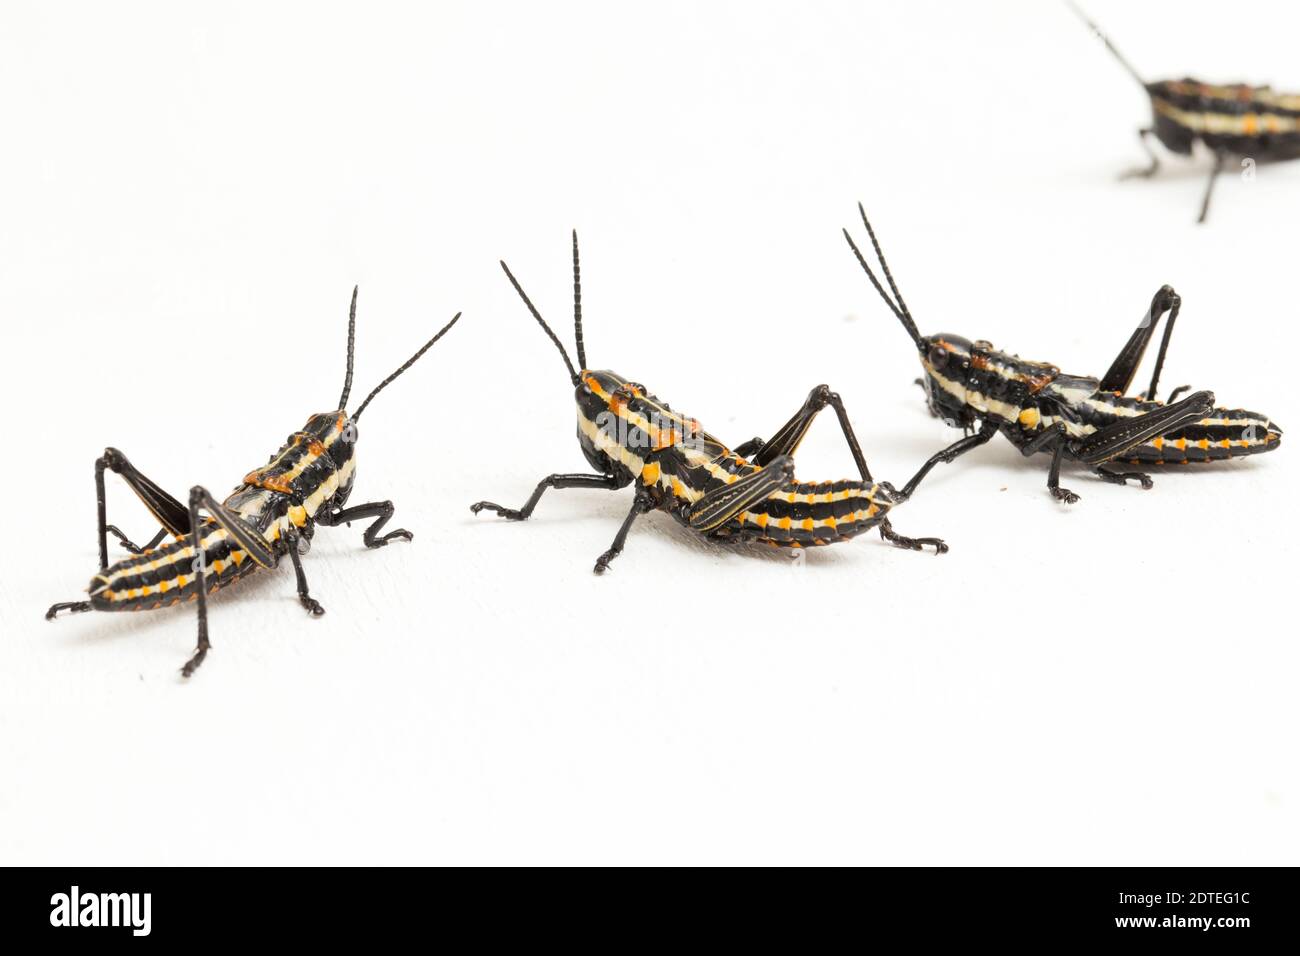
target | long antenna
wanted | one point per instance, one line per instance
(352, 347)
(1106, 40)
(577, 304)
(405, 365)
(573, 375)
(898, 296)
(900, 310)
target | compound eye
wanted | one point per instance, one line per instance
(625, 393)
(938, 356)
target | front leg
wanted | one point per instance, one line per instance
(1053, 439)
(988, 429)
(293, 540)
(1220, 160)
(382, 510)
(608, 482)
(640, 505)
(1144, 172)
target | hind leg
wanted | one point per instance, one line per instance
(788, 437)
(171, 514)
(911, 544)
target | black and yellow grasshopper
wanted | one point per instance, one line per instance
(630, 437)
(1235, 120)
(273, 512)
(973, 386)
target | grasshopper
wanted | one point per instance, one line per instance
(984, 391)
(631, 437)
(273, 512)
(1253, 123)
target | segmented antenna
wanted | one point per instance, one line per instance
(577, 304)
(573, 375)
(1106, 40)
(352, 347)
(900, 309)
(405, 365)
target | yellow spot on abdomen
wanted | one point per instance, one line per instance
(650, 473)
(1029, 417)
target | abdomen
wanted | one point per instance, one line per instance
(1224, 433)
(805, 514)
(167, 574)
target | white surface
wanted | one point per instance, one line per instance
(1112, 683)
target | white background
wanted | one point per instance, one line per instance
(186, 199)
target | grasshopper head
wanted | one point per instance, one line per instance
(946, 364)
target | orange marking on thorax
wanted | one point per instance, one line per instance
(1038, 382)
(277, 483)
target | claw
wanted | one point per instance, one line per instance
(509, 514)
(193, 663)
(399, 533)
(76, 607)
